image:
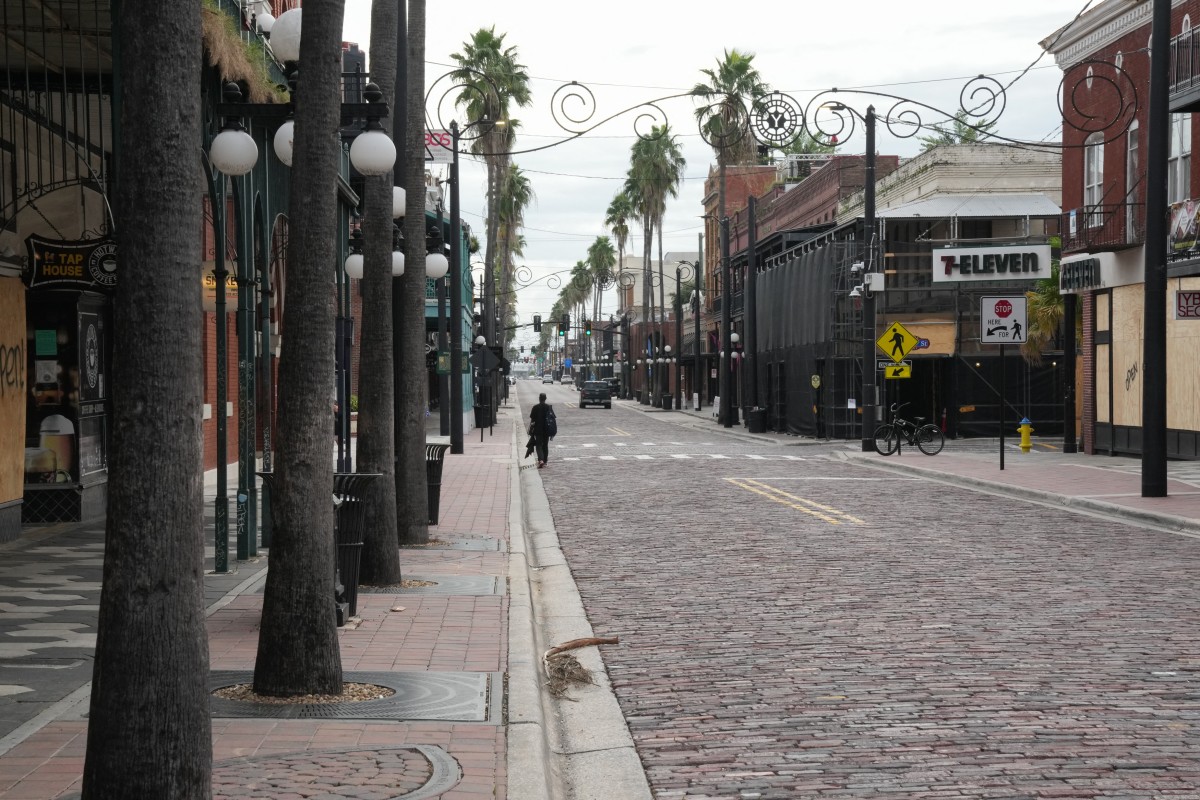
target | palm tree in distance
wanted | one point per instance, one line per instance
(729, 95)
(601, 259)
(515, 196)
(958, 130)
(493, 80)
(617, 219)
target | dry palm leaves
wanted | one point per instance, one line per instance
(563, 670)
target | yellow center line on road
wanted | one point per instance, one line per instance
(832, 515)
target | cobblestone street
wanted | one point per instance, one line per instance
(794, 625)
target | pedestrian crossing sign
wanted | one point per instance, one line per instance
(896, 342)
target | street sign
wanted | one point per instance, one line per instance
(901, 370)
(439, 146)
(896, 342)
(881, 364)
(1002, 319)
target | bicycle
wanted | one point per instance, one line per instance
(927, 438)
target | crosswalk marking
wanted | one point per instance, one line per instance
(680, 455)
(717, 455)
(608, 458)
(644, 457)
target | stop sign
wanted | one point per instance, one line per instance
(1003, 308)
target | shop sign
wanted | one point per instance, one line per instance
(1187, 305)
(1085, 272)
(83, 266)
(209, 282)
(994, 263)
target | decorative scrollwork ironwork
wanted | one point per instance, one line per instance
(777, 120)
(1102, 95)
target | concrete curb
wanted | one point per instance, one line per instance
(595, 758)
(1082, 504)
(529, 759)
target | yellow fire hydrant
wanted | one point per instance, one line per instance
(1025, 429)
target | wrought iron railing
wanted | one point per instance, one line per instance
(1185, 62)
(1103, 227)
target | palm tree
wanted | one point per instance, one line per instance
(661, 177)
(730, 94)
(298, 648)
(601, 260)
(149, 732)
(1045, 311)
(492, 79)
(516, 194)
(376, 385)
(960, 130)
(617, 219)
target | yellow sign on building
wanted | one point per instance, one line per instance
(896, 342)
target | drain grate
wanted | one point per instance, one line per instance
(447, 696)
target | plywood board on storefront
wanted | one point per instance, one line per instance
(1183, 375)
(941, 333)
(1127, 377)
(1103, 373)
(13, 389)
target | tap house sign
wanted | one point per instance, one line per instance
(82, 266)
(998, 263)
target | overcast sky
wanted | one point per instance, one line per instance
(631, 52)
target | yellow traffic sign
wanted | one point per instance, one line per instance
(896, 342)
(895, 371)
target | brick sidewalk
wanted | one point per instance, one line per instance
(444, 646)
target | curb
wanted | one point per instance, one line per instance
(529, 755)
(1170, 522)
(592, 752)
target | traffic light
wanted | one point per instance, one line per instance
(587, 327)
(537, 323)
(564, 325)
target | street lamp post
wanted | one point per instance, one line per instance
(870, 401)
(726, 379)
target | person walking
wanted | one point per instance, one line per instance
(541, 420)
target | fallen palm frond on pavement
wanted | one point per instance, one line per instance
(564, 670)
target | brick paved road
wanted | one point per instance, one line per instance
(805, 627)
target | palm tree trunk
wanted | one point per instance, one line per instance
(298, 644)
(149, 730)
(376, 388)
(412, 503)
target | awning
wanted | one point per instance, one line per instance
(986, 206)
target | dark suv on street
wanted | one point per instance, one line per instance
(595, 393)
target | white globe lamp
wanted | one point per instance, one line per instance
(373, 153)
(285, 36)
(283, 142)
(436, 265)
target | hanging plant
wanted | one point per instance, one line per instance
(235, 58)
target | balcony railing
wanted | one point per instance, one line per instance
(1103, 227)
(1184, 79)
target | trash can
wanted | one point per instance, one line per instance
(481, 417)
(637, 395)
(665, 402)
(348, 491)
(435, 455)
(756, 420)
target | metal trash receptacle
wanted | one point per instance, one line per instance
(756, 420)
(349, 489)
(665, 402)
(435, 458)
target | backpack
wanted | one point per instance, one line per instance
(551, 422)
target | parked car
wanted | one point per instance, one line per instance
(595, 393)
(547, 379)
